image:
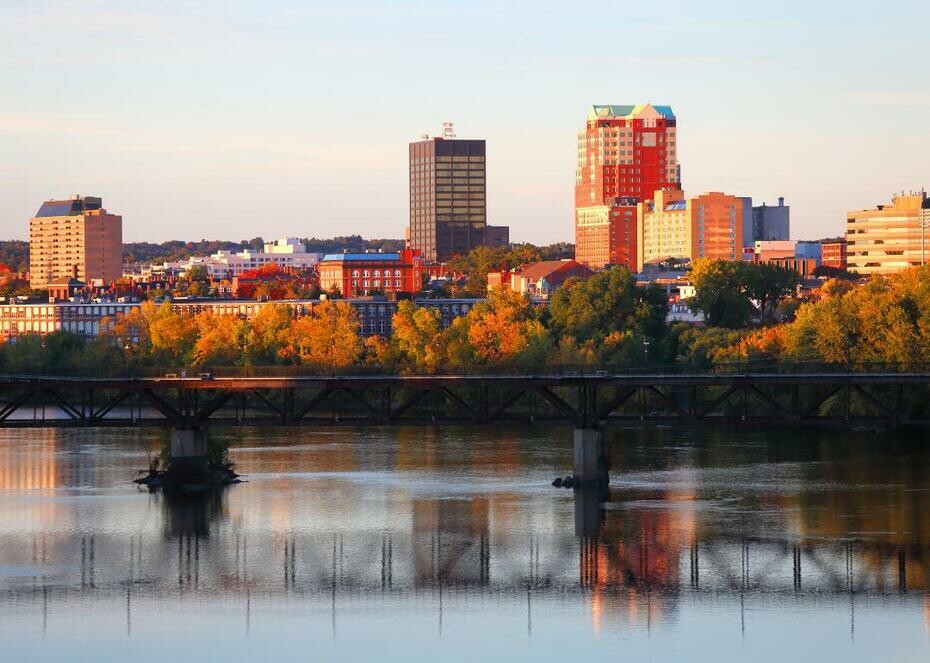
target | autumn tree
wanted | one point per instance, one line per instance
(505, 330)
(415, 339)
(221, 340)
(267, 333)
(327, 338)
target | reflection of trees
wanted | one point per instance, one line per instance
(877, 500)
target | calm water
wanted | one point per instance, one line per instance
(422, 544)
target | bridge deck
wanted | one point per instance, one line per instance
(581, 400)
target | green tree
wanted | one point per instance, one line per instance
(608, 302)
(722, 292)
(768, 285)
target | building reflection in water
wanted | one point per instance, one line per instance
(371, 514)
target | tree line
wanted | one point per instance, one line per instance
(753, 314)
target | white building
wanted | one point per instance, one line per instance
(287, 252)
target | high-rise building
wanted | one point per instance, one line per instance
(75, 237)
(891, 237)
(770, 222)
(448, 196)
(625, 154)
(706, 226)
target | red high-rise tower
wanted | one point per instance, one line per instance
(625, 155)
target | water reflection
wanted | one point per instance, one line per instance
(412, 525)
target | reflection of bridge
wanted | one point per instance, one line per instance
(581, 400)
(201, 551)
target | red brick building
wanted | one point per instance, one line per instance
(833, 253)
(625, 154)
(362, 274)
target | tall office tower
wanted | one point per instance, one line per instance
(75, 237)
(891, 237)
(625, 155)
(448, 195)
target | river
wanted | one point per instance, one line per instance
(428, 544)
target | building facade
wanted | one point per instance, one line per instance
(363, 274)
(771, 223)
(497, 236)
(889, 238)
(84, 319)
(833, 253)
(448, 196)
(625, 154)
(75, 238)
(672, 226)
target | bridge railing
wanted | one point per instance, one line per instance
(734, 368)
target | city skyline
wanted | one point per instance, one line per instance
(213, 123)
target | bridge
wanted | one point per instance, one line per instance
(587, 402)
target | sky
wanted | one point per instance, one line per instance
(234, 119)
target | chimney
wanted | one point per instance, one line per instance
(74, 272)
(781, 201)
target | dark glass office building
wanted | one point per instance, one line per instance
(448, 213)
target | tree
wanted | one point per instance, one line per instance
(503, 330)
(267, 333)
(415, 336)
(173, 335)
(610, 301)
(221, 340)
(721, 292)
(769, 285)
(327, 338)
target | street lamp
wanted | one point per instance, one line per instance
(127, 349)
(44, 354)
(645, 352)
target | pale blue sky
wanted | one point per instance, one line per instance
(224, 120)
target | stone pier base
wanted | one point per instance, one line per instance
(189, 450)
(590, 461)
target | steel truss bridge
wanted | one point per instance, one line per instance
(854, 399)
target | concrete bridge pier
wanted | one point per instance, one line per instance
(590, 459)
(189, 455)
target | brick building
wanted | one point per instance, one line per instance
(625, 154)
(362, 274)
(75, 237)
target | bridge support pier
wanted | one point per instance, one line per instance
(589, 459)
(189, 451)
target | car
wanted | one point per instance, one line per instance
(171, 375)
(205, 376)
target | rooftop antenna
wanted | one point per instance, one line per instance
(448, 130)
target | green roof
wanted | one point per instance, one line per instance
(625, 110)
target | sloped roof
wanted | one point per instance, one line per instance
(628, 110)
(72, 206)
(540, 270)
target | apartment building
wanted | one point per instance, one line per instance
(75, 238)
